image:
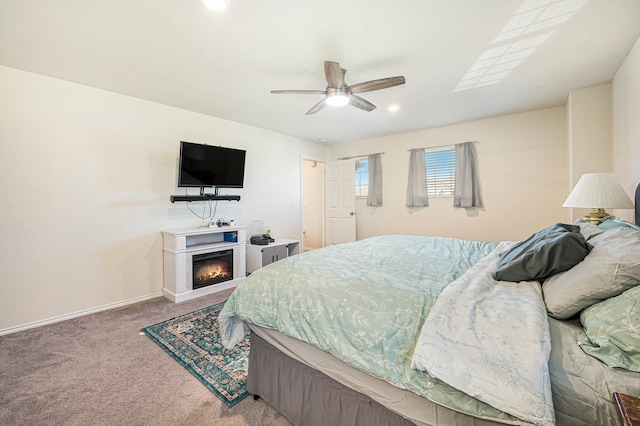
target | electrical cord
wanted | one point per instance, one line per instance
(206, 218)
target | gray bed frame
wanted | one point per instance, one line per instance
(309, 397)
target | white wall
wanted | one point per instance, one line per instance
(626, 126)
(523, 175)
(589, 137)
(85, 178)
(589, 131)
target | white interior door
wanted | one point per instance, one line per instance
(340, 200)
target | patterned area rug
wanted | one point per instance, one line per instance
(194, 341)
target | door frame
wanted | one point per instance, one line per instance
(323, 230)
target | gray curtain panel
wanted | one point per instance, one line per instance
(374, 196)
(466, 192)
(417, 183)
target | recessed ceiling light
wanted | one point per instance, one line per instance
(215, 5)
(393, 107)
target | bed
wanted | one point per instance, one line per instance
(404, 329)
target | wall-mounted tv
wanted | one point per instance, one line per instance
(203, 166)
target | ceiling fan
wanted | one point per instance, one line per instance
(338, 93)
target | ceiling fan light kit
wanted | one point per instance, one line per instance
(338, 93)
(337, 97)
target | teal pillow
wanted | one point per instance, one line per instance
(613, 330)
(550, 251)
(615, 222)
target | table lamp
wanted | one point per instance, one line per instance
(598, 191)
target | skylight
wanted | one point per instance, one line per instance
(528, 28)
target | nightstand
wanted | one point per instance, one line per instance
(262, 255)
(629, 408)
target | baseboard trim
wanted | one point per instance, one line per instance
(192, 294)
(65, 317)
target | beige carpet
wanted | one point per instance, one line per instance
(99, 370)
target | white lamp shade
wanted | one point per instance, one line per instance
(598, 191)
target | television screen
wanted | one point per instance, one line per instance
(210, 166)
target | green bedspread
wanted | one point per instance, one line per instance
(364, 302)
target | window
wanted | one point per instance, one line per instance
(441, 171)
(362, 177)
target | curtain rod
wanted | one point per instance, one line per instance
(442, 146)
(359, 156)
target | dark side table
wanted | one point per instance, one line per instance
(629, 408)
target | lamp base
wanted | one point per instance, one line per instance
(595, 217)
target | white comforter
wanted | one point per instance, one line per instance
(490, 339)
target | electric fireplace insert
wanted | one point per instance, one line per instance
(212, 268)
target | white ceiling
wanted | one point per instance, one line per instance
(521, 55)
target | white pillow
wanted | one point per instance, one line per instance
(612, 267)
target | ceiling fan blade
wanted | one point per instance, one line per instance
(296, 92)
(317, 107)
(382, 83)
(361, 103)
(334, 74)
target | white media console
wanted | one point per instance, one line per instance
(179, 249)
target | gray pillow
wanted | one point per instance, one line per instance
(587, 229)
(612, 267)
(547, 252)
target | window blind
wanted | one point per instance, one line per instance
(441, 172)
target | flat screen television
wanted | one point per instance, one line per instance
(202, 166)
